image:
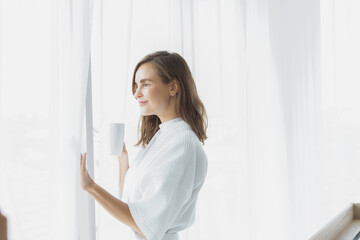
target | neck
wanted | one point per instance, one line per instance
(168, 118)
(170, 113)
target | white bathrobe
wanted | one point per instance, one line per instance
(163, 182)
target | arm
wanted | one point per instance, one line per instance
(123, 170)
(114, 206)
(124, 166)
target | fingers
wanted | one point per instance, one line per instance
(83, 160)
(82, 155)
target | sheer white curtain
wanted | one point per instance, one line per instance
(340, 86)
(278, 168)
(279, 80)
(44, 62)
(227, 45)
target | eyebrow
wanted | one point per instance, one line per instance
(143, 80)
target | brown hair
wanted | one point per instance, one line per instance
(172, 66)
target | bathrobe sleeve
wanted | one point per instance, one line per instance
(166, 187)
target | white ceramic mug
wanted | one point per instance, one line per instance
(115, 138)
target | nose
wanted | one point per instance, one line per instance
(137, 93)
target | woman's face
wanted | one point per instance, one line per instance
(152, 94)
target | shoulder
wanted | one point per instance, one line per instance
(180, 138)
(185, 132)
(187, 140)
(183, 137)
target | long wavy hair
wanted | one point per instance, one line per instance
(171, 66)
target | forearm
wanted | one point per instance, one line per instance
(114, 206)
(122, 172)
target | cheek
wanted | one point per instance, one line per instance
(145, 92)
(156, 95)
(151, 93)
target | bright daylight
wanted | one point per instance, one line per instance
(179, 119)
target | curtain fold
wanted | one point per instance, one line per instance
(45, 47)
(294, 40)
(71, 58)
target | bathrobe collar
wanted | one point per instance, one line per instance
(165, 125)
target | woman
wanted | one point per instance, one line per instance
(160, 188)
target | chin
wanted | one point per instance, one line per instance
(145, 114)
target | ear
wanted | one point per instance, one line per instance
(174, 87)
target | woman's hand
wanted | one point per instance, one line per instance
(124, 158)
(86, 181)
